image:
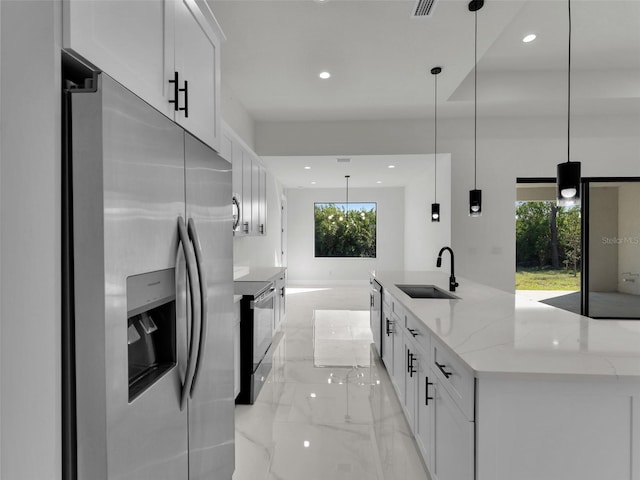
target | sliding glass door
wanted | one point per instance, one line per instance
(611, 228)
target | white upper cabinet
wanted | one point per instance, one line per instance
(249, 185)
(143, 44)
(197, 61)
(127, 41)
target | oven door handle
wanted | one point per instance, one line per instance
(193, 236)
(195, 313)
(263, 298)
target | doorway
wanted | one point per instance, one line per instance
(548, 246)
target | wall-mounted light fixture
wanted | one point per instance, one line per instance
(568, 176)
(435, 206)
(475, 195)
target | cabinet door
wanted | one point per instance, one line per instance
(262, 200)
(387, 339)
(282, 302)
(247, 200)
(399, 358)
(423, 422)
(255, 196)
(410, 383)
(130, 41)
(197, 60)
(452, 454)
(236, 181)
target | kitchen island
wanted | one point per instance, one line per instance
(498, 388)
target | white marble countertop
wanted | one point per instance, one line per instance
(258, 274)
(497, 334)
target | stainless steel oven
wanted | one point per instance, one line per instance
(257, 316)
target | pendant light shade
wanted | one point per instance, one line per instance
(568, 175)
(568, 184)
(435, 212)
(475, 195)
(435, 206)
(475, 203)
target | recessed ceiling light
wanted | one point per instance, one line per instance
(529, 38)
(324, 75)
(379, 181)
(313, 183)
(392, 166)
(307, 168)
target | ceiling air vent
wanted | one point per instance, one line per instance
(424, 8)
(343, 160)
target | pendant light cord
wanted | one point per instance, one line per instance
(475, 104)
(569, 90)
(435, 145)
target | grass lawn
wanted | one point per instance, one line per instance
(536, 279)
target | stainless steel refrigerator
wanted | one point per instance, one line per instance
(148, 282)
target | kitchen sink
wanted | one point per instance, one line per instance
(426, 291)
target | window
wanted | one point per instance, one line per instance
(345, 230)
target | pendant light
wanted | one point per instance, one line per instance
(435, 206)
(347, 208)
(568, 176)
(475, 195)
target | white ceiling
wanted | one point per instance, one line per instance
(365, 171)
(380, 58)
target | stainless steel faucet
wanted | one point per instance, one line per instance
(452, 279)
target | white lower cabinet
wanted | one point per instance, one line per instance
(452, 438)
(432, 401)
(504, 426)
(423, 424)
(571, 429)
(399, 356)
(280, 302)
(387, 338)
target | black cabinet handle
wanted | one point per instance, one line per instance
(186, 98)
(389, 332)
(426, 391)
(175, 91)
(245, 227)
(442, 369)
(408, 361)
(371, 299)
(413, 332)
(412, 357)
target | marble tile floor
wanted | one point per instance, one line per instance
(338, 422)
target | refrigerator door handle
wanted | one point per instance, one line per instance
(194, 339)
(193, 236)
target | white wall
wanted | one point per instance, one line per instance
(603, 223)
(264, 250)
(236, 115)
(422, 237)
(304, 268)
(629, 235)
(30, 193)
(507, 149)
